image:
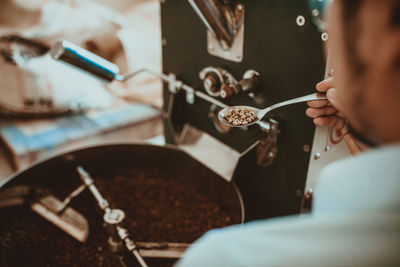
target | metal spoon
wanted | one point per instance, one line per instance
(262, 112)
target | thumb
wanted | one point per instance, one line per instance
(332, 96)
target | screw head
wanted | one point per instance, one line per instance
(306, 148)
(114, 216)
(298, 193)
(324, 36)
(300, 20)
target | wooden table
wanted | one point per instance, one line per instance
(134, 133)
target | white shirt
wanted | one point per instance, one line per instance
(355, 222)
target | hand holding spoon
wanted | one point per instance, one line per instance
(255, 114)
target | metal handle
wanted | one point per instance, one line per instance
(218, 18)
(84, 60)
(103, 203)
(311, 97)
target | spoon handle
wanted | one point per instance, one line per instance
(311, 97)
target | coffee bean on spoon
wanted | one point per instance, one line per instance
(241, 116)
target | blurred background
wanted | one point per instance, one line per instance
(47, 106)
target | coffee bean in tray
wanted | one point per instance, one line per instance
(157, 210)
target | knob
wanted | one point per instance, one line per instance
(251, 79)
(212, 84)
(228, 91)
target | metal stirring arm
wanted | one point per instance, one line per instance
(130, 245)
(311, 97)
(88, 181)
(112, 218)
(70, 197)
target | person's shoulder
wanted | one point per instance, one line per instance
(364, 168)
(387, 155)
(328, 239)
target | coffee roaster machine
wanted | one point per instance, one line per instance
(253, 53)
(217, 53)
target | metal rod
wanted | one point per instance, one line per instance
(130, 244)
(130, 75)
(103, 203)
(185, 87)
(204, 96)
(71, 196)
(139, 258)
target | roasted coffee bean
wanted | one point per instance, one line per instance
(157, 210)
(240, 116)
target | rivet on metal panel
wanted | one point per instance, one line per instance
(298, 193)
(324, 36)
(331, 72)
(317, 155)
(327, 148)
(306, 148)
(300, 20)
(307, 200)
(315, 12)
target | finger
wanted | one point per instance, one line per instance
(317, 103)
(320, 112)
(332, 96)
(338, 123)
(322, 121)
(345, 130)
(352, 144)
(325, 85)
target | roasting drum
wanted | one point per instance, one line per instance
(150, 161)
